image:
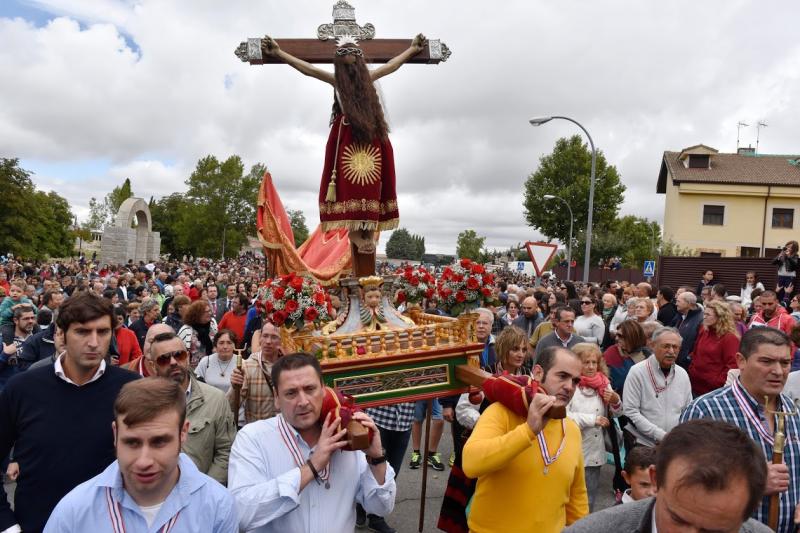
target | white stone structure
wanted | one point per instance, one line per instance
(121, 242)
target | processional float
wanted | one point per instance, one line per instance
(371, 355)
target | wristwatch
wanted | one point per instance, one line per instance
(375, 461)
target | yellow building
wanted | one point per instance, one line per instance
(730, 205)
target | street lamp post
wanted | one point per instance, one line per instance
(538, 121)
(571, 219)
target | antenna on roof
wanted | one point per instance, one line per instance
(761, 124)
(739, 126)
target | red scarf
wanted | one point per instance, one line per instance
(598, 382)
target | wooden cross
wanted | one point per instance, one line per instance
(323, 48)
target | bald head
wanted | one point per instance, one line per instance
(155, 329)
(530, 307)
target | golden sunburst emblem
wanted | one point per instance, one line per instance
(362, 164)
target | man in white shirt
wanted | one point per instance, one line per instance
(656, 390)
(289, 473)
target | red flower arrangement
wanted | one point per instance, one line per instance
(464, 286)
(294, 301)
(414, 285)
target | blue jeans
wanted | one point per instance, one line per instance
(422, 406)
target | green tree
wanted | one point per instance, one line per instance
(33, 224)
(99, 215)
(632, 239)
(565, 173)
(115, 198)
(670, 248)
(469, 245)
(166, 213)
(299, 229)
(220, 210)
(405, 245)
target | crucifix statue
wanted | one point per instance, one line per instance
(357, 190)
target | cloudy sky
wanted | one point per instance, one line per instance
(95, 91)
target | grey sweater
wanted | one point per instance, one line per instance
(636, 517)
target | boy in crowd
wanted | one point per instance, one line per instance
(637, 474)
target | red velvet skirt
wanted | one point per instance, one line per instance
(365, 192)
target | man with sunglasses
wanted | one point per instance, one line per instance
(211, 424)
(58, 417)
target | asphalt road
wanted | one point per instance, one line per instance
(405, 518)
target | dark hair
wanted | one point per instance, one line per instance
(572, 294)
(144, 399)
(755, 337)
(180, 300)
(717, 453)
(768, 294)
(358, 99)
(120, 311)
(231, 335)
(640, 457)
(48, 295)
(634, 336)
(244, 300)
(83, 307)
(294, 361)
(667, 293)
(163, 337)
(21, 310)
(719, 289)
(707, 270)
(561, 309)
(108, 294)
(547, 358)
(44, 317)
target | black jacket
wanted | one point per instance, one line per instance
(688, 328)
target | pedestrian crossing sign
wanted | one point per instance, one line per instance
(649, 269)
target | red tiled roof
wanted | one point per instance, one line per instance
(733, 169)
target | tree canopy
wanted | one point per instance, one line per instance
(565, 173)
(33, 224)
(405, 245)
(299, 228)
(469, 245)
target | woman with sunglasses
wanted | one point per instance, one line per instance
(589, 324)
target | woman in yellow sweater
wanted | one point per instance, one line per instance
(530, 472)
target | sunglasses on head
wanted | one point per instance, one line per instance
(165, 358)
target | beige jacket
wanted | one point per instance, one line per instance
(211, 430)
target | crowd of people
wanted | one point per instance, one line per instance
(122, 407)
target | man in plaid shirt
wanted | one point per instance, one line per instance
(254, 380)
(765, 356)
(394, 423)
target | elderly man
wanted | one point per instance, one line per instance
(58, 417)
(151, 482)
(211, 424)
(765, 356)
(656, 390)
(254, 381)
(719, 499)
(563, 334)
(282, 469)
(518, 461)
(687, 321)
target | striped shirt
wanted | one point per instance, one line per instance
(735, 405)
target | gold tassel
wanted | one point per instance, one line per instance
(331, 195)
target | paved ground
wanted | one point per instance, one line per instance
(405, 517)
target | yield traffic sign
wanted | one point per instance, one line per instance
(540, 254)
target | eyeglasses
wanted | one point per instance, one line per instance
(165, 358)
(586, 302)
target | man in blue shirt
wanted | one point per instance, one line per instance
(151, 486)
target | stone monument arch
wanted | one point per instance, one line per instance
(122, 242)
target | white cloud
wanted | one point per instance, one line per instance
(153, 86)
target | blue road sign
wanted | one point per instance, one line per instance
(520, 266)
(649, 269)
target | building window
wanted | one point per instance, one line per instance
(713, 215)
(699, 160)
(750, 251)
(710, 254)
(782, 218)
